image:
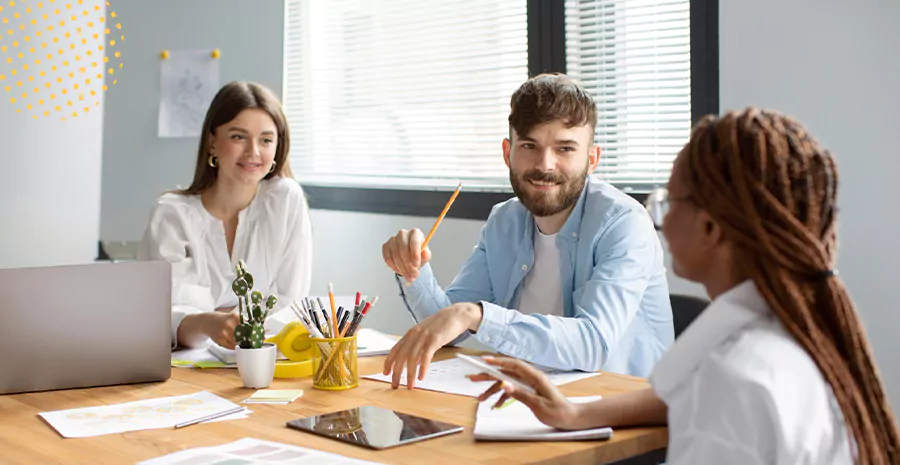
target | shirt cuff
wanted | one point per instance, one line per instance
(493, 324)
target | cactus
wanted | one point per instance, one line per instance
(250, 333)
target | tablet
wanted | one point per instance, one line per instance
(374, 427)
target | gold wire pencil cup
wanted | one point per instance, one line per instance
(334, 366)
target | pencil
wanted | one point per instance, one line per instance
(441, 218)
(212, 416)
(334, 322)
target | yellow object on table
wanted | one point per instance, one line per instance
(335, 364)
(294, 342)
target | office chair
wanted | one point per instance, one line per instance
(685, 308)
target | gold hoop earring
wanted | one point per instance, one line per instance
(212, 161)
(272, 170)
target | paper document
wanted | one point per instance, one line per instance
(250, 451)
(164, 412)
(190, 80)
(515, 422)
(370, 342)
(274, 396)
(450, 376)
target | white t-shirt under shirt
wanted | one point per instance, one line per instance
(542, 288)
(273, 237)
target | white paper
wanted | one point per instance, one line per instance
(450, 376)
(189, 81)
(249, 451)
(516, 422)
(370, 342)
(163, 412)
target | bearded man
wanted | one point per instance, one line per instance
(568, 275)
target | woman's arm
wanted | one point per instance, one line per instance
(637, 408)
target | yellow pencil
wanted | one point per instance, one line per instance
(334, 332)
(441, 218)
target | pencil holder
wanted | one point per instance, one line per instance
(334, 366)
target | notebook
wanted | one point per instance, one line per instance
(515, 422)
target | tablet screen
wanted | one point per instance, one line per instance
(374, 427)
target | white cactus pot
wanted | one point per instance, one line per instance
(256, 366)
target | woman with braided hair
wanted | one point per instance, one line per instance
(778, 368)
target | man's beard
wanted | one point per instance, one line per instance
(542, 204)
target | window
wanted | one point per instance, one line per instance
(634, 58)
(387, 96)
(402, 93)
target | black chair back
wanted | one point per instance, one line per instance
(685, 308)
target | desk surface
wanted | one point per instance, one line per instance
(25, 438)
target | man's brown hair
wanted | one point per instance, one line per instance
(550, 97)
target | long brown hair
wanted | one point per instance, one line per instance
(232, 99)
(773, 190)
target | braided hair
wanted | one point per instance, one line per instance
(773, 189)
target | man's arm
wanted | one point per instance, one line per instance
(625, 258)
(424, 297)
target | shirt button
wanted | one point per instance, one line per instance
(487, 339)
(575, 234)
(524, 267)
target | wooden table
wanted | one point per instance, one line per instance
(25, 438)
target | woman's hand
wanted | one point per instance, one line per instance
(547, 403)
(220, 327)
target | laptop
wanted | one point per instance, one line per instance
(81, 326)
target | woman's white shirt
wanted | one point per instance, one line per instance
(741, 390)
(273, 237)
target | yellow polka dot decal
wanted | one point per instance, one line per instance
(52, 47)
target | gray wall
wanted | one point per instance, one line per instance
(834, 65)
(137, 165)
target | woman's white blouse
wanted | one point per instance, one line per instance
(740, 390)
(274, 238)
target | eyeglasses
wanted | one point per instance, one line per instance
(657, 205)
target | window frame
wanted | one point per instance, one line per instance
(546, 53)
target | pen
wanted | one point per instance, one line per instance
(355, 326)
(343, 323)
(211, 416)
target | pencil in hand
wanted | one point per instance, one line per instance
(441, 217)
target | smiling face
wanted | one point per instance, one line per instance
(245, 147)
(548, 166)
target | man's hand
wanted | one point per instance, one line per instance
(548, 404)
(220, 327)
(418, 346)
(403, 253)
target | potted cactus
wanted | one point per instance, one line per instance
(255, 357)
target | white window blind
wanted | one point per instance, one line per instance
(634, 58)
(402, 93)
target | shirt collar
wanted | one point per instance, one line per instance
(725, 316)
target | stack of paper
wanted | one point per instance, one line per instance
(516, 422)
(274, 396)
(370, 342)
(450, 376)
(164, 412)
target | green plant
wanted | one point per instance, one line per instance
(250, 333)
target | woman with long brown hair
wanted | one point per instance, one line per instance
(778, 368)
(242, 205)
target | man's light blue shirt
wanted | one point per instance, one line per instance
(616, 311)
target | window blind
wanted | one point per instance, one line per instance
(402, 93)
(634, 58)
